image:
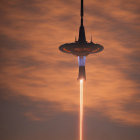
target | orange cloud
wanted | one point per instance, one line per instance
(32, 66)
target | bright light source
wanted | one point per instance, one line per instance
(81, 109)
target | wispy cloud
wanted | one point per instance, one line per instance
(32, 66)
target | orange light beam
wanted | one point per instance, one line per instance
(81, 109)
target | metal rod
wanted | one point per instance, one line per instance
(82, 9)
(82, 12)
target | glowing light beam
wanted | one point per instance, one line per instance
(81, 109)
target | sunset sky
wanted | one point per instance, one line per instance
(39, 91)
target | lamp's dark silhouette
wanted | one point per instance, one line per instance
(81, 48)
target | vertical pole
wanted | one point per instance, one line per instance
(82, 36)
(82, 9)
(82, 12)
